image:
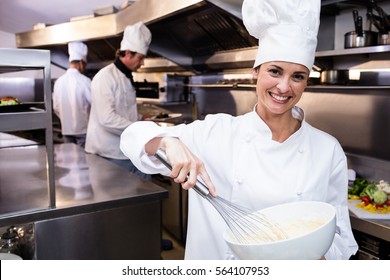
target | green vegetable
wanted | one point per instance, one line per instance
(379, 197)
(369, 190)
(358, 185)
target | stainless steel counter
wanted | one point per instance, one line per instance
(101, 208)
(373, 238)
(84, 183)
(376, 228)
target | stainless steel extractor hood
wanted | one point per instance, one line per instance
(195, 35)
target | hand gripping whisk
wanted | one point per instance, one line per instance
(247, 227)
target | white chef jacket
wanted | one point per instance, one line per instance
(114, 108)
(250, 169)
(72, 101)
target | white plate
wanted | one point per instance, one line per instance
(364, 214)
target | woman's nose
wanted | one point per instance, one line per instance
(284, 84)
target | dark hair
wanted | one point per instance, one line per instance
(120, 53)
(76, 62)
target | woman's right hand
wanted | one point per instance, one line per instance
(186, 167)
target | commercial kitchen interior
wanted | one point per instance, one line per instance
(187, 75)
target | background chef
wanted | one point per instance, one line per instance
(72, 96)
(114, 105)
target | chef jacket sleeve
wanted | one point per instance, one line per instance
(87, 91)
(133, 141)
(344, 244)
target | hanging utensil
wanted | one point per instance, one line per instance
(355, 14)
(248, 227)
(359, 29)
(378, 22)
(384, 18)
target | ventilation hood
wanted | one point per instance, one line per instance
(193, 35)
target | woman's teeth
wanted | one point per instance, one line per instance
(279, 98)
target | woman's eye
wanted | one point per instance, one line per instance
(274, 71)
(298, 77)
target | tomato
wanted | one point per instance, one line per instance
(379, 205)
(387, 202)
(366, 200)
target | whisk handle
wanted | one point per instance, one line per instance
(200, 187)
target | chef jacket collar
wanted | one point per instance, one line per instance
(259, 126)
(119, 64)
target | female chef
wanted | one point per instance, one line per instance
(266, 157)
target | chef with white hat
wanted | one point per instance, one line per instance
(72, 96)
(265, 157)
(114, 105)
(77, 51)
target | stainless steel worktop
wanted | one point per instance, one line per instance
(84, 183)
(376, 228)
(373, 238)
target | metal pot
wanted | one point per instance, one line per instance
(334, 77)
(352, 40)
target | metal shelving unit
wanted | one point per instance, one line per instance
(15, 60)
(355, 51)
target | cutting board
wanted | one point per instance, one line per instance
(363, 214)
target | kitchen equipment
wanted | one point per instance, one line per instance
(359, 26)
(147, 89)
(334, 77)
(381, 20)
(165, 89)
(384, 38)
(174, 208)
(353, 40)
(378, 22)
(355, 14)
(315, 221)
(371, 247)
(10, 241)
(246, 227)
(359, 37)
(21, 107)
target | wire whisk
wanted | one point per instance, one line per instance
(246, 226)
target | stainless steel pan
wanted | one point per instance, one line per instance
(353, 40)
(334, 77)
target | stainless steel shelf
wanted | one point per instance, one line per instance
(17, 60)
(17, 121)
(354, 51)
(343, 87)
(241, 86)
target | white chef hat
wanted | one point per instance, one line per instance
(77, 51)
(287, 30)
(136, 38)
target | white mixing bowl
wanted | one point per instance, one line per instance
(310, 244)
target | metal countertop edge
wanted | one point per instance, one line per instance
(52, 213)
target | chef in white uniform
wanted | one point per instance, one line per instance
(72, 96)
(263, 158)
(114, 105)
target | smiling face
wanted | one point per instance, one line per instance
(279, 87)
